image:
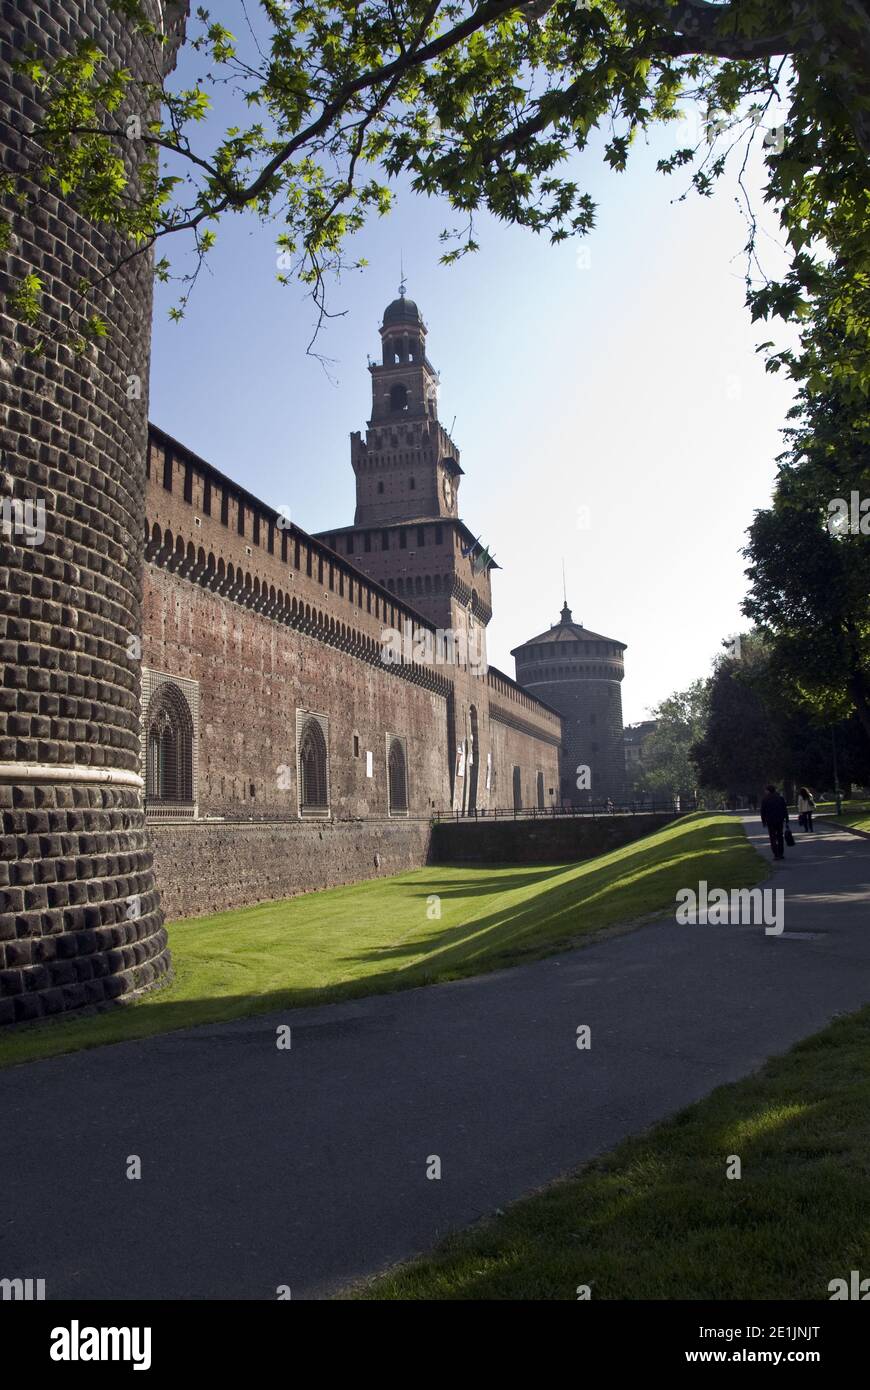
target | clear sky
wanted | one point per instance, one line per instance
(610, 406)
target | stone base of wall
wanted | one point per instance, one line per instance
(538, 841)
(80, 922)
(203, 867)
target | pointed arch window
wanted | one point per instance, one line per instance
(313, 765)
(169, 739)
(397, 777)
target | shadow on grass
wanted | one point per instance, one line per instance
(581, 901)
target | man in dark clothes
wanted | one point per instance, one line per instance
(774, 814)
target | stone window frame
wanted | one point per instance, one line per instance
(322, 812)
(400, 812)
(152, 681)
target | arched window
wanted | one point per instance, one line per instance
(398, 397)
(313, 785)
(398, 780)
(169, 746)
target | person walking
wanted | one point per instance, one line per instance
(806, 807)
(774, 817)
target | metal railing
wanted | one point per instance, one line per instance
(156, 809)
(594, 811)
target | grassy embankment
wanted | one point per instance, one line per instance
(855, 814)
(379, 936)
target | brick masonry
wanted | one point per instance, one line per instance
(80, 920)
(206, 868)
(579, 673)
(539, 841)
(268, 620)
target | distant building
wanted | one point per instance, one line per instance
(579, 673)
(634, 740)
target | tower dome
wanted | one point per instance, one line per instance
(403, 311)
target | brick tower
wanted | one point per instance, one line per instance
(578, 673)
(80, 919)
(407, 533)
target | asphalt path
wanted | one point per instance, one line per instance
(307, 1167)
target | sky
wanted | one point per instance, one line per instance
(610, 406)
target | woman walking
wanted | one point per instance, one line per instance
(806, 807)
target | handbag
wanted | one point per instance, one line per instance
(788, 837)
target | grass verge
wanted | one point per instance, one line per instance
(384, 934)
(856, 814)
(657, 1218)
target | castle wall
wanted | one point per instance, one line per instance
(205, 867)
(254, 673)
(268, 620)
(562, 840)
(523, 735)
(80, 919)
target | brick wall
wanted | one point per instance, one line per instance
(80, 919)
(270, 619)
(568, 839)
(254, 673)
(206, 868)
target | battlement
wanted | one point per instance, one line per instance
(211, 530)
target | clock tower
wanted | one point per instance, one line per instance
(407, 532)
(407, 468)
(408, 536)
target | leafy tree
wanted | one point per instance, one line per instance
(809, 559)
(743, 744)
(480, 101)
(757, 732)
(669, 767)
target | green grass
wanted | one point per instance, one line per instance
(658, 1219)
(855, 814)
(376, 936)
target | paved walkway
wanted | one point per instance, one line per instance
(308, 1167)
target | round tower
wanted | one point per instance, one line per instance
(80, 919)
(579, 673)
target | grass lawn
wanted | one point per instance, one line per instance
(855, 814)
(658, 1219)
(378, 936)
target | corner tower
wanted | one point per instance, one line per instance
(579, 673)
(80, 917)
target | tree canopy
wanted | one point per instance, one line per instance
(759, 730)
(481, 103)
(669, 767)
(809, 557)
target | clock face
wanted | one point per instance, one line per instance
(447, 489)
